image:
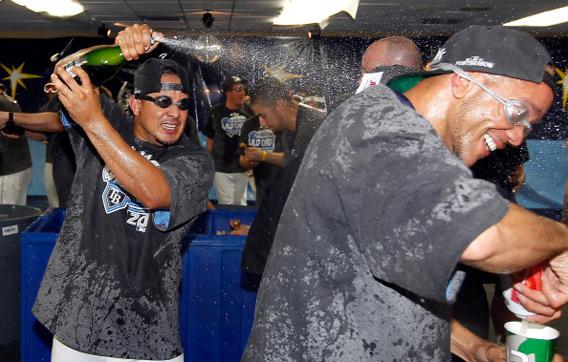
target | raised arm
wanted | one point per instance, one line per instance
(146, 182)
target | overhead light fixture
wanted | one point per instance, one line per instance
(300, 12)
(207, 48)
(547, 18)
(58, 8)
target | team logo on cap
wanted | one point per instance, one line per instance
(475, 61)
(438, 57)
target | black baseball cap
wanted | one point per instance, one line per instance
(147, 78)
(495, 50)
(231, 81)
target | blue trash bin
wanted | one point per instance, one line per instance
(13, 220)
(216, 312)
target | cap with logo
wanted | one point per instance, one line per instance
(231, 81)
(495, 50)
(148, 76)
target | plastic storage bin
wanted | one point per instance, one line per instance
(13, 220)
(216, 312)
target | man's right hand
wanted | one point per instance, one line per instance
(254, 154)
(555, 281)
(136, 40)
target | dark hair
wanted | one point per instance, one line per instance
(170, 70)
(269, 91)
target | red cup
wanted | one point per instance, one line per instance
(531, 278)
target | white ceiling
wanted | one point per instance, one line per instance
(253, 17)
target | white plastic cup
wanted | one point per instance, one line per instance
(531, 278)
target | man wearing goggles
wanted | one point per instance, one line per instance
(363, 265)
(116, 266)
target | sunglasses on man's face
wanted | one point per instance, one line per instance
(165, 101)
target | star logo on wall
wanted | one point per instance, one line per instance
(562, 81)
(17, 76)
(281, 74)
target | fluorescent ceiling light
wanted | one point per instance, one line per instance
(59, 8)
(299, 12)
(547, 18)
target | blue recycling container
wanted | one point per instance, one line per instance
(216, 310)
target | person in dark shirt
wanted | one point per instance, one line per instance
(258, 145)
(223, 132)
(384, 206)
(15, 159)
(272, 101)
(111, 284)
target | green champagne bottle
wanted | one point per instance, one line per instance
(101, 62)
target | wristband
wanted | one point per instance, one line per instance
(263, 156)
(10, 117)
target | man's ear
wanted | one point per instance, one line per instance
(134, 105)
(460, 86)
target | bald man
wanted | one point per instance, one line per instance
(383, 60)
(392, 50)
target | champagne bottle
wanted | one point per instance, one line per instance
(101, 62)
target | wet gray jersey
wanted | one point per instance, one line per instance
(368, 241)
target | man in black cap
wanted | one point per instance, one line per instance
(384, 206)
(223, 132)
(111, 285)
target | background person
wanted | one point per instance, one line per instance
(258, 145)
(15, 159)
(223, 131)
(273, 102)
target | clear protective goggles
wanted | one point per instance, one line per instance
(516, 111)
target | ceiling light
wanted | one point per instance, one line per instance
(547, 18)
(59, 8)
(298, 12)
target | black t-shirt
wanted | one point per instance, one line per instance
(111, 285)
(294, 144)
(376, 221)
(14, 153)
(262, 231)
(254, 136)
(224, 127)
(263, 228)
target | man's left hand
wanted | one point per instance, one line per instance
(80, 100)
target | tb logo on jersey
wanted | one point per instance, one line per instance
(115, 198)
(232, 125)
